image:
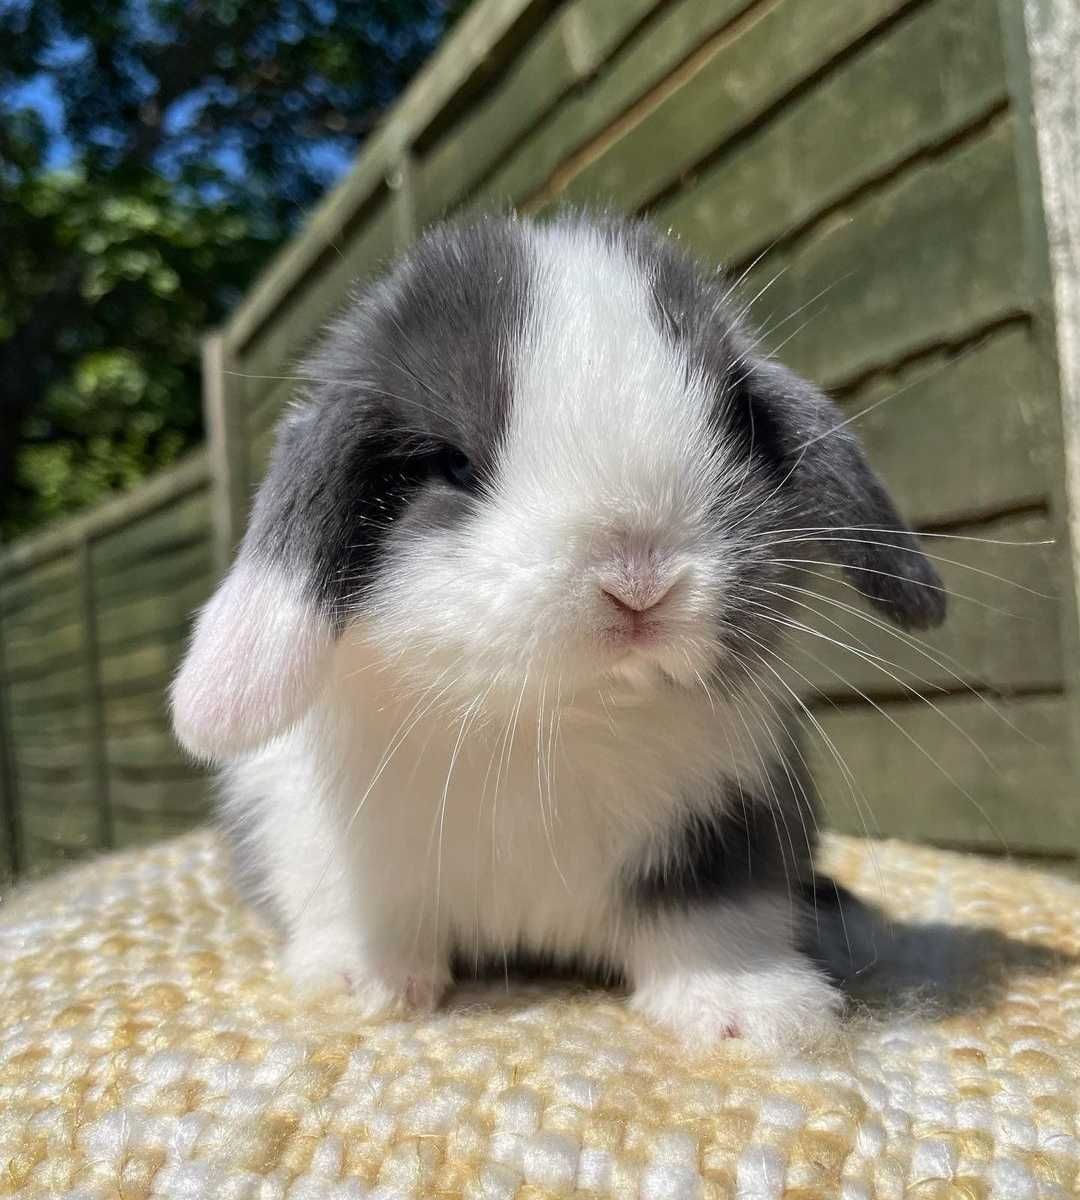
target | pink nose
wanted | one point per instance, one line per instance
(635, 595)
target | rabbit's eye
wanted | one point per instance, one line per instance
(456, 468)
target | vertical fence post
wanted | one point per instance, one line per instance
(226, 428)
(401, 182)
(11, 859)
(93, 696)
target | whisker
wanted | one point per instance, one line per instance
(952, 562)
(943, 661)
(882, 664)
(896, 724)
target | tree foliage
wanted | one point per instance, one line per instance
(152, 155)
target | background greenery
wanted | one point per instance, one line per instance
(153, 153)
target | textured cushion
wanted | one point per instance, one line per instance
(149, 1048)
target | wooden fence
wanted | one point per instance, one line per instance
(871, 167)
(93, 620)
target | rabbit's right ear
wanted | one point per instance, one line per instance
(262, 645)
(258, 657)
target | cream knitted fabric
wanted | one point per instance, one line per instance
(149, 1048)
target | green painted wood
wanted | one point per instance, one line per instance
(949, 56)
(150, 661)
(566, 51)
(1027, 795)
(264, 412)
(642, 64)
(11, 849)
(1003, 630)
(138, 710)
(225, 419)
(161, 490)
(189, 797)
(137, 828)
(64, 814)
(172, 528)
(94, 759)
(146, 750)
(924, 261)
(37, 654)
(45, 856)
(988, 399)
(750, 69)
(67, 755)
(31, 725)
(262, 446)
(62, 689)
(160, 613)
(23, 595)
(160, 575)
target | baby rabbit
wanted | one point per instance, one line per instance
(497, 668)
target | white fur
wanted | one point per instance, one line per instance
(259, 651)
(487, 750)
(731, 971)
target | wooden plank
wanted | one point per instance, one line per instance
(746, 69)
(47, 766)
(642, 64)
(568, 50)
(94, 761)
(1027, 796)
(40, 653)
(471, 41)
(1043, 42)
(45, 855)
(262, 446)
(136, 828)
(41, 617)
(147, 751)
(226, 430)
(139, 711)
(62, 689)
(289, 333)
(150, 661)
(188, 797)
(158, 575)
(173, 527)
(166, 613)
(161, 489)
(29, 724)
(923, 262)
(11, 849)
(1003, 630)
(65, 812)
(949, 56)
(265, 411)
(25, 587)
(988, 399)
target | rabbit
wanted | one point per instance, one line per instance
(496, 669)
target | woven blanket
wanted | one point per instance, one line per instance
(149, 1047)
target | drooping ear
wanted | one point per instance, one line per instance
(838, 498)
(261, 646)
(257, 659)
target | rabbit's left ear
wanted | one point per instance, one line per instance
(839, 499)
(258, 657)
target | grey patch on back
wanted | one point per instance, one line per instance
(757, 837)
(419, 362)
(247, 868)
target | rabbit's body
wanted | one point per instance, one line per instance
(497, 669)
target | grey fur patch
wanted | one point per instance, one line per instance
(419, 363)
(753, 838)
